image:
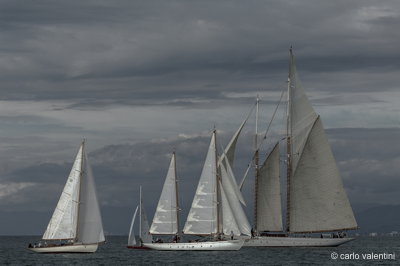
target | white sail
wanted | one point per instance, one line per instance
(229, 151)
(268, 193)
(131, 237)
(165, 219)
(318, 199)
(302, 115)
(145, 235)
(232, 179)
(90, 227)
(63, 223)
(202, 218)
(229, 224)
(229, 188)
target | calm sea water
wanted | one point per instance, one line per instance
(13, 251)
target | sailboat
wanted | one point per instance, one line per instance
(144, 234)
(316, 200)
(76, 225)
(215, 212)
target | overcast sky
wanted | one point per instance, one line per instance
(139, 79)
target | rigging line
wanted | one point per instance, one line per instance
(272, 118)
(263, 138)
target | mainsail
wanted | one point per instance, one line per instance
(268, 193)
(165, 219)
(90, 227)
(317, 201)
(202, 218)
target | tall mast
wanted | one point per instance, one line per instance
(288, 145)
(140, 215)
(176, 196)
(256, 166)
(80, 188)
(217, 177)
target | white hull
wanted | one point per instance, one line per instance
(78, 248)
(198, 246)
(270, 241)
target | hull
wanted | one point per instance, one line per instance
(198, 246)
(137, 247)
(269, 241)
(78, 248)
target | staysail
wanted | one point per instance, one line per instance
(62, 224)
(229, 224)
(318, 201)
(202, 218)
(228, 189)
(165, 219)
(268, 193)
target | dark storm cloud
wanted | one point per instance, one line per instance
(92, 65)
(133, 50)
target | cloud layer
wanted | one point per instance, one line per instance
(139, 79)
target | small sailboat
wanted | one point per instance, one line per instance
(76, 225)
(144, 234)
(205, 217)
(316, 200)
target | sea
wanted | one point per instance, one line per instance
(362, 251)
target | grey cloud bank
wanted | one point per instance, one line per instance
(131, 76)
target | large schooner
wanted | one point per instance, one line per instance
(215, 213)
(316, 200)
(76, 225)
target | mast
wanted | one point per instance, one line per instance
(176, 198)
(288, 146)
(140, 215)
(218, 179)
(80, 188)
(256, 166)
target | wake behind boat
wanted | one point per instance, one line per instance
(76, 225)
